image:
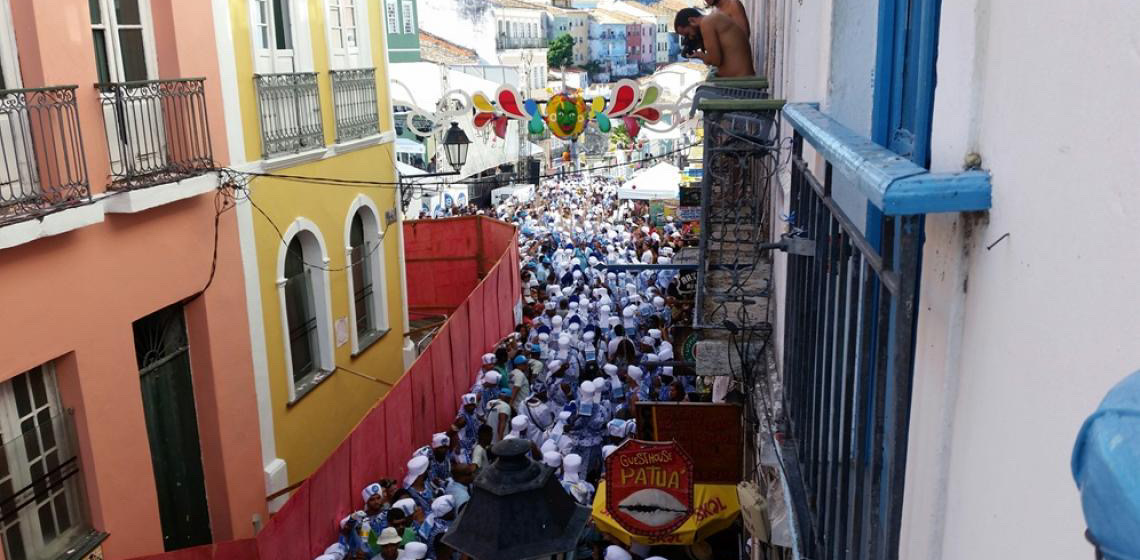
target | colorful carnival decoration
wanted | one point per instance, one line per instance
(567, 115)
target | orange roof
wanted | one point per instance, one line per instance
(437, 49)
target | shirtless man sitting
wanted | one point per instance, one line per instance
(725, 43)
(733, 9)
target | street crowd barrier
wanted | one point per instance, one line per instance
(444, 257)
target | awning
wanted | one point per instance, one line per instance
(662, 181)
(409, 146)
(716, 507)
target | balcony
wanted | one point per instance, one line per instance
(289, 106)
(157, 131)
(842, 400)
(43, 167)
(354, 103)
(504, 43)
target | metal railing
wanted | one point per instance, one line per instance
(849, 357)
(739, 163)
(354, 103)
(157, 131)
(43, 165)
(521, 43)
(289, 106)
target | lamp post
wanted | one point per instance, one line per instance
(518, 510)
(455, 145)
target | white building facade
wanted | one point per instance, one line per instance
(1026, 308)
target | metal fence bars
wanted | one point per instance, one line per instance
(43, 509)
(849, 354)
(741, 157)
(354, 103)
(289, 106)
(157, 131)
(43, 165)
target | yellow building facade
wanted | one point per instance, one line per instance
(308, 115)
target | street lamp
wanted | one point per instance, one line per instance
(518, 510)
(455, 144)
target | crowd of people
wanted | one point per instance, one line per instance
(593, 342)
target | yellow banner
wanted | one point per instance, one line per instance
(715, 508)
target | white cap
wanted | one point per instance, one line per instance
(655, 333)
(548, 446)
(414, 550)
(488, 359)
(492, 377)
(552, 458)
(647, 340)
(406, 505)
(614, 321)
(543, 337)
(627, 312)
(587, 388)
(607, 449)
(610, 369)
(519, 422)
(417, 466)
(440, 440)
(651, 357)
(572, 464)
(554, 365)
(556, 320)
(443, 505)
(614, 552)
(634, 373)
(468, 398)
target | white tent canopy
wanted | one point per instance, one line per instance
(660, 182)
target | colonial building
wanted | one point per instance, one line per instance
(308, 113)
(128, 413)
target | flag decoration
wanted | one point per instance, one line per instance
(567, 115)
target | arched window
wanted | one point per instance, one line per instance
(300, 313)
(366, 279)
(306, 314)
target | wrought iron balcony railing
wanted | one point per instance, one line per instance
(290, 109)
(43, 165)
(354, 103)
(521, 43)
(157, 131)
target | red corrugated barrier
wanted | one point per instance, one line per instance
(446, 259)
(468, 267)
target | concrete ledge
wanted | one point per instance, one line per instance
(51, 224)
(295, 159)
(137, 200)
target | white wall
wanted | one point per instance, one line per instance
(1018, 344)
(468, 24)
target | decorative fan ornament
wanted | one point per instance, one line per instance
(567, 115)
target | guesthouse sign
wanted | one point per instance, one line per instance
(649, 487)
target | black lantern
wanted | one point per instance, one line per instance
(455, 144)
(518, 510)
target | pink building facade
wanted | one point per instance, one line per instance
(126, 379)
(633, 43)
(648, 59)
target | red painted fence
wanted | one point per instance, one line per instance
(444, 258)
